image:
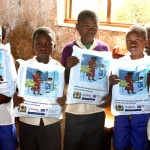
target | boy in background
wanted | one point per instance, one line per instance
(130, 131)
(8, 138)
(84, 126)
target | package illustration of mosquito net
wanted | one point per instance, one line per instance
(40, 85)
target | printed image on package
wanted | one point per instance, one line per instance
(41, 83)
(1, 70)
(132, 82)
(93, 68)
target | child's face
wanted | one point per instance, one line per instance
(87, 30)
(37, 75)
(43, 47)
(135, 43)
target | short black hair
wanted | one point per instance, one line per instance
(94, 57)
(139, 29)
(39, 72)
(42, 30)
(87, 14)
(130, 73)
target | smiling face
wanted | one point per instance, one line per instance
(87, 29)
(43, 46)
(135, 43)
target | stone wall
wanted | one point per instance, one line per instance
(21, 17)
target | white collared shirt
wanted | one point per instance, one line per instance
(36, 120)
(128, 56)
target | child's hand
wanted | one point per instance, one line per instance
(17, 100)
(61, 100)
(72, 61)
(106, 101)
(4, 99)
(113, 79)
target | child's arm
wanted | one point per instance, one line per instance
(71, 62)
(106, 101)
(61, 100)
(17, 100)
(4, 99)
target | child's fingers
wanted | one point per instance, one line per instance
(105, 104)
(17, 100)
(61, 100)
(106, 101)
(72, 61)
(113, 79)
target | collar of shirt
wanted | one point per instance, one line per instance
(51, 61)
(35, 60)
(127, 56)
(82, 46)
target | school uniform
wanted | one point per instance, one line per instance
(40, 133)
(131, 130)
(84, 126)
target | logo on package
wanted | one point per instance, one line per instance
(22, 108)
(77, 95)
(119, 107)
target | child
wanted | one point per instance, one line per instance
(140, 83)
(48, 85)
(41, 133)
(37, 80)
(130, 130)
(101, 71)
(130, 81)
(91, 64)
(8, 138)
(84, 126)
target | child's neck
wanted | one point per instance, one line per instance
(86, 42)
(45, 61)
(136, 57)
